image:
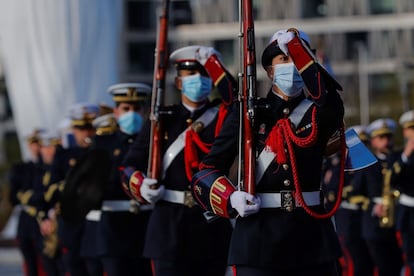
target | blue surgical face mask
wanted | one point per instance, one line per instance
(130, 122)
(196, 87)
(288, 79)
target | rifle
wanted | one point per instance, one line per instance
(247, 96)
(158, 90)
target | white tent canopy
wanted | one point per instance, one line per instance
(55, 53)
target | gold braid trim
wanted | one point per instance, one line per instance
(51, 191)
(24, 196)
(359, 199)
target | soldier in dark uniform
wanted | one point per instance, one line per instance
(22, 177)
(122, 225)
(179, 239)
(281, 230)
(375, 184)
(348, 218)
(89, 244)
(51, 258)
(70, 228)
(404, 174)
(331, 171)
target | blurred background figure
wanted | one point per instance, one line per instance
(51, 258)
(356, 259)
(404, 174)
(374, 183)
(22, 181)
(67, 190)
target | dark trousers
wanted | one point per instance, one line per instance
(30, 243)
(127, 266)
(94, 266)
(73, 263)
(361, 258)
(30, 256)
(408, 247)
(387, 256)
(52, 266)
(189, 268)
(329, 269)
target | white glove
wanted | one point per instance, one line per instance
(149, 193)
(203, 53)
(283, 39)
(245, 203)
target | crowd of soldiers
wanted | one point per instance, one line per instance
(55, 234)
(375, 220)
(89, 208)
(79, 217)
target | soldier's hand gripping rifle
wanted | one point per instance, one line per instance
(247, 96)
(210, 187)
(133, 180)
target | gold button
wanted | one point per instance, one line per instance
(286, 182)
(285, 167)
(72, 162)
(117, 152)
(286, 111)
(197, 126)
(331, 196)
(189, 121)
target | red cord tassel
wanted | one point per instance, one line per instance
(275, 141)
(190, 154)
(192, 143)
(222, 113)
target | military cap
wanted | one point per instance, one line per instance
(383, 126)
(361, 131)
(34, 137)
(129, 92)
(50, 138)
(82, 114)
(66, 133)
(105, 124)
(272, 49)
(105, 109)
(188, 57)
(407, 119)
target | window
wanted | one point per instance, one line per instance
(139, 15)
(140, 57)
(381, 6)
(313, 8)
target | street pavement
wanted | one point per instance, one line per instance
(10, 262)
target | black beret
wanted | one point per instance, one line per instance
(269, 53)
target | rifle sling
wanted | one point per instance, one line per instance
(178, 145)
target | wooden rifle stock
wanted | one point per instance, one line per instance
(158, 90)
(248, 96)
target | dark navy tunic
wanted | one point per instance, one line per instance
(175, 231)
(273, 237)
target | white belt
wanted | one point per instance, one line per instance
(124, 206)
(349, 206)
(180, 197)
(28, 208)
(378, 200)
(94, 215)
(406, 200)
(284, 198)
